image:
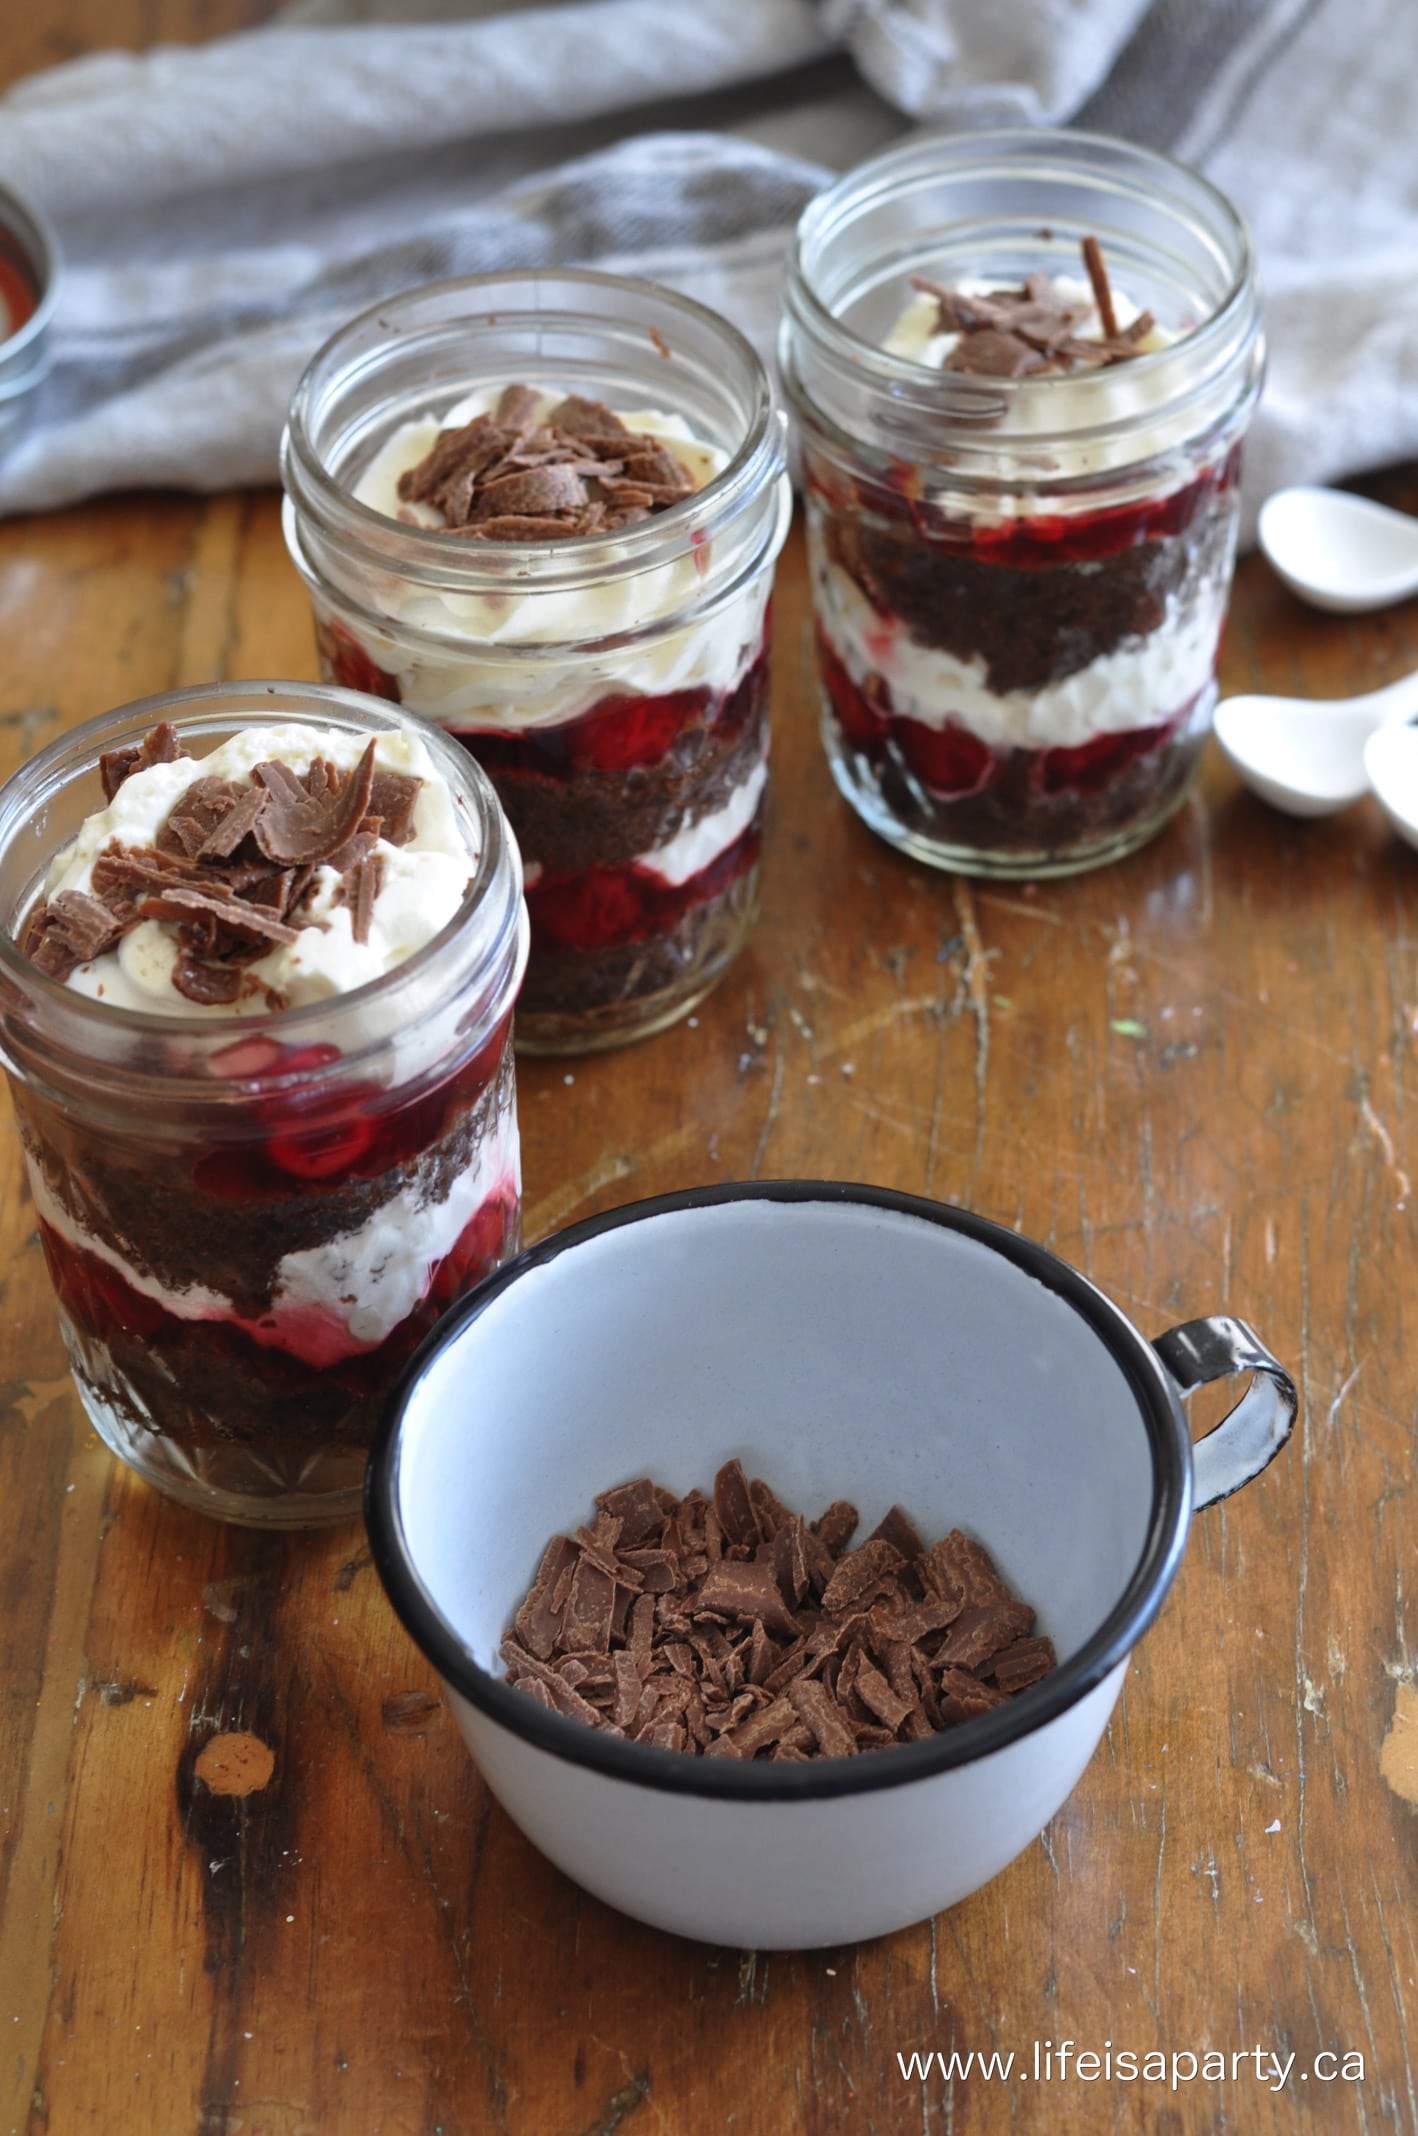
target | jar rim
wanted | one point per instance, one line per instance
(1193, 360)
(439, 557)
(265, 702)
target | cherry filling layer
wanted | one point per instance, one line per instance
(329, 1137)
(1037, 540)
(107, 1308)
(954, 764)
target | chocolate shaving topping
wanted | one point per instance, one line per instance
(230, 868)
(726, 1627)
(393, 798)
(240, 818)
(158, 746)
(307, 824)
(582, 418)
(67, 930)
(517, 407)
(509, 477)
(359, 889)
(229, 915)
(1028, 332)
(1102, 287)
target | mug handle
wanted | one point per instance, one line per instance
(1249, 1438)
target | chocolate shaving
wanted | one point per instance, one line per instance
(729, 1628)
(835, 1529)
(582, 418)
(240, 818)
(1021, 1664)
(1028, 332)
(862, 1575)
(980, 1633)
(1102, 287)
(508, 477)
(533, 491)
(393, 798)
(637, 1507)
(158, 746)
(67, 930)
(517, 407)
(359, 889)
(307, 827)
(747, 1591)
(229, 915)
(733, 1505)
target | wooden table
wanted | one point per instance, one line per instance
(1193, 1076)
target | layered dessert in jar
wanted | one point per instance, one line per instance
(569, 569)
(29, 289)
(1021, 447)
(260, 953)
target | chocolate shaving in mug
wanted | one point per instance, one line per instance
(730, 1627)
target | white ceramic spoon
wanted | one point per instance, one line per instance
(1391, 761)
(1339, 552)
(1308, 756)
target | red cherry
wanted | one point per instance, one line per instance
(247, 1057)
(620, 732)
(864, 720)
(1092, 764)
(94, 1294)
(304, 1060)
(591, 910)
(351, 665)
(320, 1152)
(948, 760)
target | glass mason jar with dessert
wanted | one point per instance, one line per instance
(543, 509)
(1022, 364)
(259, 946)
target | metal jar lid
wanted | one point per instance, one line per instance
(30, 269)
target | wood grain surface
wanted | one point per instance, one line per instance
(1194, 1076)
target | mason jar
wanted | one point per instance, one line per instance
(251, 1221)
(1019, 581)
(614, 686)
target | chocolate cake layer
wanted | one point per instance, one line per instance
(570, 982)
(165, 1227)
(203, 1384)
(1034, 625)
(606, 818)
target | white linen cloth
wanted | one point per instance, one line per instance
(224, 207)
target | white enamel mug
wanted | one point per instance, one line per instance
(844, 1342)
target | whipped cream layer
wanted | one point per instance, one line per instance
(1123, 392)
(700, 844)
(1139, 684)
(472, 688)
(348, 1294)
(423, 882)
